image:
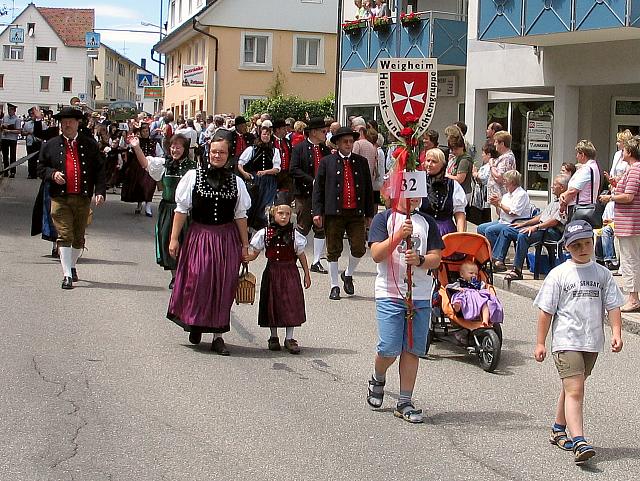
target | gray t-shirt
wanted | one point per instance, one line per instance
(577, 295)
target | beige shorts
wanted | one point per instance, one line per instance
(574, 363)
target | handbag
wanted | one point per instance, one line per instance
(246, 290)
(591, 213)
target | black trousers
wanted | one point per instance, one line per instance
(9, 148)
(33, 163)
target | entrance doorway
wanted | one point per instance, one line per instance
(625, 114)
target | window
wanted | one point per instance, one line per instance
(45, 54)
(190, 6)
(66, 84)
(256, 51)
(199, 4)
(121, 69)
(179, 11)
(204, 54)
(195, 53)
(172, 14)
(246, 100)
(31, 29)
(44, 83)
(308, 54)
(1, 80)
(12, 52)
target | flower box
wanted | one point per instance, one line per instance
(381, 23)
(351, 27)
(410, 19)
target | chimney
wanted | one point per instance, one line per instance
(143, 63)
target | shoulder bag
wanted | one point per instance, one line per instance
(591, 213)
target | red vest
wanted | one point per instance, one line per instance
(72, 167)
(285, 155)
(348, 186)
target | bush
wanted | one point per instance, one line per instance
(282, 107)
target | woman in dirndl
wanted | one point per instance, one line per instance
(215, 244)
(168, 171)
(259, 165)
(137, 184)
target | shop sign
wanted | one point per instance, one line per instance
(193, 76)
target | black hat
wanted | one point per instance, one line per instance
(283, 198)
(279, 123)
(342, 132)
(11, 106)
(240, 120)
(315, 123)
(69, 113)
(576, 230)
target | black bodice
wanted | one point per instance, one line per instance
(262, 159)
(214, 204)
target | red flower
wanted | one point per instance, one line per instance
(406, 132)
(412, 119)
(413, 142)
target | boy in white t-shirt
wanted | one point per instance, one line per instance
(387, 235)
(572, 302)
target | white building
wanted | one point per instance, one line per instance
(50, 65)
(148, 99)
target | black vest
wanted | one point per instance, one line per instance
(439, 201)
(262, 159)
(214, 206)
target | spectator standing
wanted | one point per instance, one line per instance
(11, 129)
(618, 164)
(32, 143)
(504, 163)
(584, 186)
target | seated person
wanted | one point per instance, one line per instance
(471, 297)
(605, 250)
(511, 206)
(529, 231)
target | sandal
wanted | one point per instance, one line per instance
(582, 451)
(408, 412)
(374, 399)
(513, 275)
(560, 439)
(635, 307)
(498, 266)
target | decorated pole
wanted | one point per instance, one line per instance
(408, 90)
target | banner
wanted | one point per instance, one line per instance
(153, 92)
(193, 76)
(407, 89)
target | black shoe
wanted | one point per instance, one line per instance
(317, 267)
(335, 294)
(195, 337)
(171, 284)
(611, 266)
(74, 274)
(218, 347)
(348, 283)
(274, 343)
(54, 252)
(67, 283)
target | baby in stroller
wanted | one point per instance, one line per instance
(471, 297)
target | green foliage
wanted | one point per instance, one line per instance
(276, 89)
(282, 107)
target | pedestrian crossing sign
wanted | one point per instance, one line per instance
(145, 80)
(16, 35)
(92, 40)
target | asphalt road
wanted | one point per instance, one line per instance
(98, 385)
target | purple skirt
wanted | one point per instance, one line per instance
(446, 226)
(281, 296)
(472, 301)
(207, 278)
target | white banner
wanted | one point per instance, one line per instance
(193, 75)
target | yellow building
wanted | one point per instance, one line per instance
(117, 76)
(220, 58)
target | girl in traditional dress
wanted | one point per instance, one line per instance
(216, 242)
(168, 171)
(472, 298)
(137, 184)
(281, 295)
(259, 165)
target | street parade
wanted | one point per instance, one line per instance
(273, 251)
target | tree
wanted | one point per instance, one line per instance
(282, 107)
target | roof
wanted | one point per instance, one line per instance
(70, 24)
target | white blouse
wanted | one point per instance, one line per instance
(618, 166)
(155, 167)
(459, 198)
(245, 157)
(185, 189)
(257, 241)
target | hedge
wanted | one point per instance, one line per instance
(282, 107)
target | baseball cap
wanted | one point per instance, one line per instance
(576, 230)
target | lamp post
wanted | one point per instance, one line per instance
(149, 24)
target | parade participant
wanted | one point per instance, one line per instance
(572, 302)
(74, 169)
(396, 335)
(167, 170)
(281, 294)
(280, 141)
(259, 165)
(9, 132)
(137, 185)
(446, 200)
(298, 132)
(242, 137)
(305, 160)
(216, 242)
(114, 156)
(343, 202)
(32, 143)
(188, 130)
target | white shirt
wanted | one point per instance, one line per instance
(185, 190)
(618, 166)
(245, 157)
(581, 178)
(191, 134)
(11, 123)
(459, 198)
(257, 241)
(155, 167)
(577, 295)
(518, 203)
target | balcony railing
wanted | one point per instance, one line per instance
(540, 22)
(438, 34)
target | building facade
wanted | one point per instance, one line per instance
(222, 55)
(117, 75)
(149, 88)
(50, 65)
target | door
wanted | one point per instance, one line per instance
(625, 114)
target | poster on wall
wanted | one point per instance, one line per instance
(408, 89)
(193, 76)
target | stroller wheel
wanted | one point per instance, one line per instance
(489, 349)
(498, 329)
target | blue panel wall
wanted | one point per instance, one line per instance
(547, 16)
(355, 50)
(499, 19)
(414, 40)
(449, 41)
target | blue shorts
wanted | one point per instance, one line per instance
(393, 334)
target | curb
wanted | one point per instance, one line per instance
(521, 288)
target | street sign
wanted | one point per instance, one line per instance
(16, 35)
(92, 40)
(82, 97)
(145, 79)
(538, 148)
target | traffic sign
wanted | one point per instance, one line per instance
(92, 40)
(145, 79)
(16, 35)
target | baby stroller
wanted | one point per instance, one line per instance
(446, 324)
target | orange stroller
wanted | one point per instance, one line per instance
(448, 325)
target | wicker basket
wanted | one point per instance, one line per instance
(246, 292)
